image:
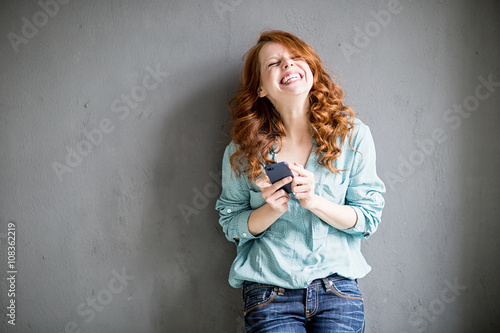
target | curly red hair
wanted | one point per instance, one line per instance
(257, 126)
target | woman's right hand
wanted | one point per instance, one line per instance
(276, 198)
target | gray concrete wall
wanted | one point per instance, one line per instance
(110, 150)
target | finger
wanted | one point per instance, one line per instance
(271, 194)
(294, 171)
(263, 177)
(278, 199)
(303, 196)
(263, 182)
(280, 183)
(296, 168)
(303, 183)
(281, 197)
(297, 188)
(280, 193)
(301, 189)
(282, 201)
(300, 180)
(300, 170)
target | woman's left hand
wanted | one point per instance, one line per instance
(303, 185)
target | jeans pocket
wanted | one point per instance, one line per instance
(345, 288)
(257, 295)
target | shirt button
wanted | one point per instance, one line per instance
(244, 234)
(229, 210)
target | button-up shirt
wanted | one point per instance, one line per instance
(299, 247)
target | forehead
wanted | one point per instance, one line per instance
(272, 49)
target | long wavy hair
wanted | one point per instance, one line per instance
(257, 126)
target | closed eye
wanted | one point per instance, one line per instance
(273, 64)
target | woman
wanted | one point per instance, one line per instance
(298, 255)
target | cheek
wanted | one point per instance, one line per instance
(311, 77)
(310, 73)
(267, 77)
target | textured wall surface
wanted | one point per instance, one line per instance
(110, 151)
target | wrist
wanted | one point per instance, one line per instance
(274, 213)
(261, 218)
(312, 203)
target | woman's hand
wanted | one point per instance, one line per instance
(276, 205)
(303, 185)
(276, 198)
(338, 216)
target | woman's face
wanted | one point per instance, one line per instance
(282, 74)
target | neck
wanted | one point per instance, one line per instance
(295, 119)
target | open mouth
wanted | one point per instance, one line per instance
(291, 78)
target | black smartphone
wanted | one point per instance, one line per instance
(278, 171)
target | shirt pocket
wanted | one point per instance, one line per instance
(333, 186)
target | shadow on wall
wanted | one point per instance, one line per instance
(186, 257)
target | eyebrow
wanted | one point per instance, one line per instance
(291, 54)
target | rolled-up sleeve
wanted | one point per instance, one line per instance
(234, 203)
(364, 193)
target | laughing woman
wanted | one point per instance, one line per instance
(298, 255)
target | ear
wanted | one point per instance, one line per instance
(261, 92)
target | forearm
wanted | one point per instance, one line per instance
(261, 219)
(338, 216)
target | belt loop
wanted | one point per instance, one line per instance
(281, 291)
(328, 284)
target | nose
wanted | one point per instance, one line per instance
(288, 62)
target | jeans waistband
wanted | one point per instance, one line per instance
(324, 281)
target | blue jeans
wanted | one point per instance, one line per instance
(332, 304)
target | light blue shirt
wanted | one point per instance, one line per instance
(300, 247)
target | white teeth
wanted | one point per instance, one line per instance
(290, 77)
